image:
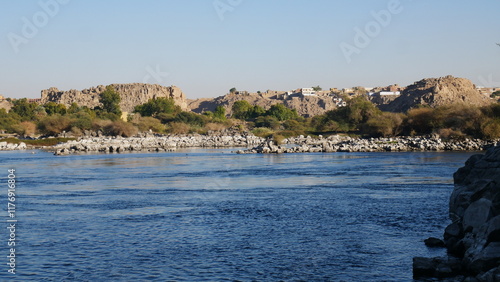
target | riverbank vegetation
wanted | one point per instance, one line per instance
(359, 117)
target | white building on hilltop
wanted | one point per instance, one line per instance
(307, 92)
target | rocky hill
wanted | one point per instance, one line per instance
(131, 95)
(305, 105)
(437, 92)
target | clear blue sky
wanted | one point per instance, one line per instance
(248, 44)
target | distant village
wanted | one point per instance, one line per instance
(391, 92)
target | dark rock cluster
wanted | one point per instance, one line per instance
(473, 238)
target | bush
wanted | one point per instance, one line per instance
(55, 124)
(100, 124)
(25, 128)
(278, 138)
(156, 106)
(267, 121)
(8, 120)
(178, 128)
(491, 129)
(24, 109)
(120, 128)
(387, 124)
(81, 120)
(149, 123)
(421, 120)
(165, 118)
(281, 112)
(190, 118)
(215, 126)
(448, 133)
(293, 125)
(262, 132)
(52, 108)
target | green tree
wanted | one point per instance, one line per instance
(25, 109)
(281, 112)
(156, 106)
(241, 110)
(232, 90)
(357, 112)
(110, 100)
(8, 121)
(220, 113)
(52, 108)
(317, 88)
(267, 121)
(73, 108)
(190, 118)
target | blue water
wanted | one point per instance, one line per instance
(209, 215)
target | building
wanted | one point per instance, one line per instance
(389, 93)
(307, 92)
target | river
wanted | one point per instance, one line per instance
(210, 215)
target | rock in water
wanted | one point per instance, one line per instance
(474, 235)
(434, 242)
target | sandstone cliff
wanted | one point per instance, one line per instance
(131, 95)
(474, 236)
(305, 105)
(437, 92)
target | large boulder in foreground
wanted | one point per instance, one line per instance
(436, 92)
(474, 234)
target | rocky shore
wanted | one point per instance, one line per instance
(301, 144)
(473, 238)
(337, 143)
(152, 143)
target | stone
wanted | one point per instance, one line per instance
(477, 214)
(434, 242)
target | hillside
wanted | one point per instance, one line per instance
(305, 105)
(436, 92)
(131, 95)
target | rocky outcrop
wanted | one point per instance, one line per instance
(336, 143)
(154, 143)
(473, 237)
(131, 95)
(305, 105)
(436, 92)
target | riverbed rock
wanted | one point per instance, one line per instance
(151, 143)
(338, 143)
